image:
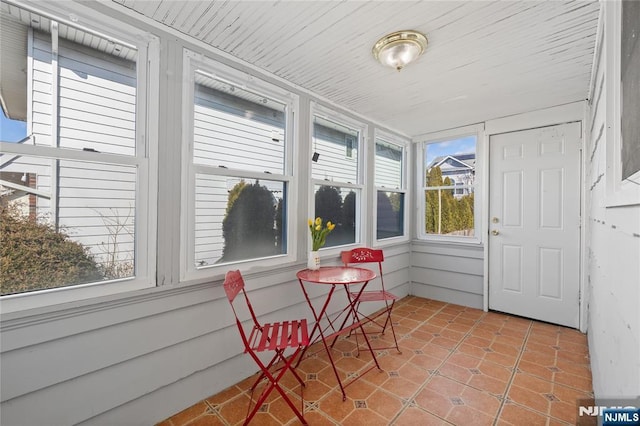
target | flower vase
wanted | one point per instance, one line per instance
(313, 262)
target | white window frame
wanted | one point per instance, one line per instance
(619, 192)
(404, 188)
(436, 137)
(318, 110)
(145, 158)
(197, 62)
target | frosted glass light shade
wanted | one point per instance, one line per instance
(400, 48)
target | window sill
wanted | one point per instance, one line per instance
(52, 299)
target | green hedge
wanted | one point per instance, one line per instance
(35, 256)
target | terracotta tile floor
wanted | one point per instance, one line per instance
(458, 366)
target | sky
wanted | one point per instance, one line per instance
(463, 145)
(12, 130)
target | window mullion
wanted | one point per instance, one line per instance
(55, 140)
(67, 154)
(336, 183)
(223, 171)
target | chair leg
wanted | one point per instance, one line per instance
(387, 323)
(355, 319)
(393, 330)
(262, 375)
(333, 342)
(388, 319)
(278, 356)
(274, 384)
(288, 366)
(293, 370)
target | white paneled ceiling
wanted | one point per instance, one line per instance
(485, 59)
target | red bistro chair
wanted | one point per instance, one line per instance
(367, 255)
(275, 337)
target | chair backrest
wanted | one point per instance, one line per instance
(233, 285)
(364, 255)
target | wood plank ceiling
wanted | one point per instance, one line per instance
(485, 59)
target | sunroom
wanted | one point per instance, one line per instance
(149, 147)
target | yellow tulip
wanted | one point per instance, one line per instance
(318, 228)
(318, 221)
(310, 222)
(331, 227)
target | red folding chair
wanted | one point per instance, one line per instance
(276, 337)
(367, 255)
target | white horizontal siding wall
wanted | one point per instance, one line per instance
(388, 172)
(333, 163)
(224, 135)
(211, 203)
(447, 272)
(42, 89)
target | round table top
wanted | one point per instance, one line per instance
(336, 275)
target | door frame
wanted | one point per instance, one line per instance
(573, 112)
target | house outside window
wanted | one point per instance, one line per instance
(238, 171)
(337, 179)
(77, 186)
(390, 182)
(449, 186)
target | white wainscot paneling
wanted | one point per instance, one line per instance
(447, 272)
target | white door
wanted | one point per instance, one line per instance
(534, 223)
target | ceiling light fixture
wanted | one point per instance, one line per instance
(398, 49)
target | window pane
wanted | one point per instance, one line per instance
(95, 85)
(388, 167)
(449, 214)
(340, 207)
(335, 149)
(237, 129)
(238, 219)
(390, 215)
(450, 171)
(454, 160)
(97, 98)
(92, 237)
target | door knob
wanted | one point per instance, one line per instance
(495, 232)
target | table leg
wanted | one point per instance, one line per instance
(354, 312)
(349, 311)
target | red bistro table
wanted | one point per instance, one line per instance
(335, 276)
